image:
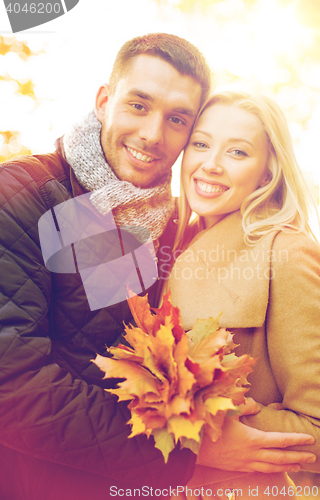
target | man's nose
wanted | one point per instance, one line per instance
(152, 130)
(213, 165)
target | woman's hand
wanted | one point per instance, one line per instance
(245, 449)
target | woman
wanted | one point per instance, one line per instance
(250, 254)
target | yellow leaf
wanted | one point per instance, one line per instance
(151, 418)
(219, 403)
(203, 327)
(163, 441)
(183, 427)
(186, 378)
(138, 380)
(193, 445)
(123, 352)
(138, 426)
(178, 405)
(141, 313)
(210, 345)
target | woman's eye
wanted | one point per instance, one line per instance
(238, 152)
(200, 145)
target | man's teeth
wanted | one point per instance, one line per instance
(210, 188)
(139, 156)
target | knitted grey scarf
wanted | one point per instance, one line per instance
(149, 208)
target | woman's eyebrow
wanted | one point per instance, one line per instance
(240, 139)
(231, 139)
(197, 131)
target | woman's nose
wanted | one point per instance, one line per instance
(212, 166)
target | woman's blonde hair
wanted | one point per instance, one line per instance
(281, 204)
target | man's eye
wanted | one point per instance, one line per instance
(176, 121)
(139, 107)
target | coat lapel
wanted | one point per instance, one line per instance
(220, 273)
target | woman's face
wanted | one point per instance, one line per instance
(224, 162)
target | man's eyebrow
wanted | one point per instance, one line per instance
(180, 109)
(141, 94)
(185, 111)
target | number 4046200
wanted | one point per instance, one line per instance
(34, 8)
(298, 491)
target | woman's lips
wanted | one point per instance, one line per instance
(209, 189)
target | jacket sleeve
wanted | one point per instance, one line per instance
(293, 341)
(44, 412)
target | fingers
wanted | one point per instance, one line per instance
(285, 439)
(284, 457)
(250, 407)
(282, 439)
(271, 468)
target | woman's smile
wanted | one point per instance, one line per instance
(205, 188)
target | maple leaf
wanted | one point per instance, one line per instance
(137, 426)
(186, 378)
(124, 352)
(179, 405)
(219, 403)
(205, 374)
(140, 310)
(150, 417)
(138, 380)
(168, 310)
(203, 328)
(180, 426)
(210, 344)
(164, 441)
(193, 445)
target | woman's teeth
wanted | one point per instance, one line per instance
(139, 156)
(210, 188)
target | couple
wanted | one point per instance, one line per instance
(61, 435)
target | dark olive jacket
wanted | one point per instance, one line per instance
(62, 436)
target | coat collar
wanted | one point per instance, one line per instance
(218, 273)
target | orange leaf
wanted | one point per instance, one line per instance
(141, 313)
(168, 310)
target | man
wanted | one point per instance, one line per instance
(62, 436)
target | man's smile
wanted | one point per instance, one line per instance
(139, 155)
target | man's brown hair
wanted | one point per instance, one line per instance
(182, 55)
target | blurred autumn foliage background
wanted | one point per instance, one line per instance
(48, 79)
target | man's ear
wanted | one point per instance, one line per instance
(101, 101)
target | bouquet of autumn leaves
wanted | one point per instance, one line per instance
(176, 382)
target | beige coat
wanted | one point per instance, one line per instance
(270, 298)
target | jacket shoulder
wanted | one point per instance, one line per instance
(42, 168)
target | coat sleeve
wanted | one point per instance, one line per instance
(293, 341)
(44, 412)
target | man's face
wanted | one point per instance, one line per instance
(147, 121)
